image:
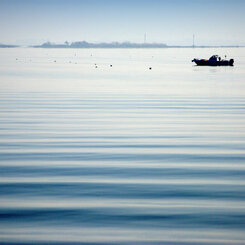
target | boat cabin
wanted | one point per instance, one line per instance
(215, 58)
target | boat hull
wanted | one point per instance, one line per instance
(203, 62)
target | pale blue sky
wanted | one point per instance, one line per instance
(214, 22)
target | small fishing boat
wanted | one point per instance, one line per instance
(214, 60)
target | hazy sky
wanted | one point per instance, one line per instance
(214, 22)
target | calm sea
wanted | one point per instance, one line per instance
(96, 148)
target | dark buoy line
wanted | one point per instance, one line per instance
(95, 64)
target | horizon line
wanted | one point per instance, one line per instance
(113, 44)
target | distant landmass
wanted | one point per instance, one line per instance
(84, 44)
(8, 46)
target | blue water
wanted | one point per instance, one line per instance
(125, 156)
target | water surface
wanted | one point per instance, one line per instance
(121, 154)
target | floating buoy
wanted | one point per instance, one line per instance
(110, 65)
(150, 68)
(96, 66)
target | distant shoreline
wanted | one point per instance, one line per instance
(190, 47)
(114, 45)
(84, 44)
(143, 47)
(8, 46)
